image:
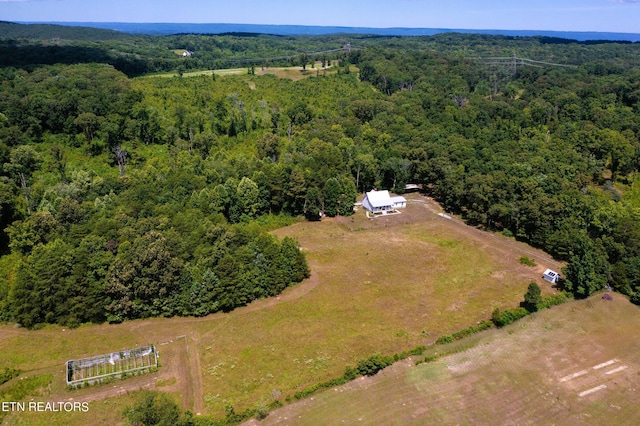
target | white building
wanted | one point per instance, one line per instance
(551, 276)
(380, 202)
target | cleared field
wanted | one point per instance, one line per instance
(381, 285)
(229, 71)
(577, 364)
(297, 73)
(292, 73)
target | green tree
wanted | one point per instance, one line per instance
(154, 409)
(88, 122)
(295, 265)
(59, 161)
(331, 195)
(39, 228)
(248, 198)
(587, 270)
(268, 146)
(143, 279)
(296, 192)
(24, 160)
(313, 204)
(532, 297)
(41, 293)
(200, 298)
(347, 197)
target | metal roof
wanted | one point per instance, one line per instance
(382, 198)
(379, 198)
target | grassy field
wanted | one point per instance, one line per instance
(382, 285)
(577, 364)
(292, 73)
(230, 71)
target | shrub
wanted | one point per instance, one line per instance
(502, 318)
(418, 350)
(373, 364)
(365, 367)
(8, 374)
(448, 338)
(431, 358)
(553, 300)
(507, 233)
(153, 408)
(524, 260)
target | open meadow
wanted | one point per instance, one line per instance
(377, 286)
(291, 73)
(577, 364)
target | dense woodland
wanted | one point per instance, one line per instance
(129, 197)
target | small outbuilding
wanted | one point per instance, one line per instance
(551, 276)
(380, 202)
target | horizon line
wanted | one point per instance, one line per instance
(321, 26)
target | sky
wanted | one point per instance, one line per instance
(548, 15)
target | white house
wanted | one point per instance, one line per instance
(551, 276)
(380, 202)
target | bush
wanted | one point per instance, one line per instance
(365, 367)
(418, 350)
(507, 233)
(373, 364)
(556, 299)
(502, 318)
(524, 260)
(428, 358)
(448, 338)
(154, 408)
(8, 374)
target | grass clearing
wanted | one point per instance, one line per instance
(528, 373)
(378, 286)
(291, 73)
(229, 71)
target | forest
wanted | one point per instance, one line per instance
(129, 195)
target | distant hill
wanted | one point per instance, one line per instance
(213, 28)
(46, 31)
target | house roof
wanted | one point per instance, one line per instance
(382, 198)
(379, 198)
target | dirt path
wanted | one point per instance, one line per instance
(496, 242)
(195, 374)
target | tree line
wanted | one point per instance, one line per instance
(124, 198)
